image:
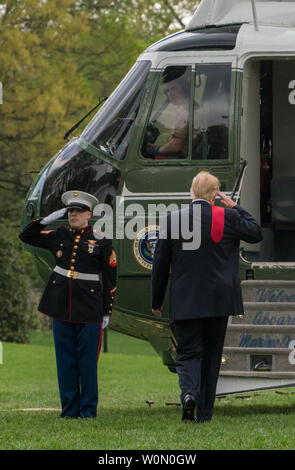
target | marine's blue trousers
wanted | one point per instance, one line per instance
(77, 349)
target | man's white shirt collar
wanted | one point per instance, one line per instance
(195, 200)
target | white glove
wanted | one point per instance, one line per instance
(53, 216)
(105, 321)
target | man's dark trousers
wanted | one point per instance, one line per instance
(77, 349)
(199, 349)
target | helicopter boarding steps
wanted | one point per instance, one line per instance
(257, 353)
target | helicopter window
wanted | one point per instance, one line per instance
(111, 128)
(211, 111)
(75, 169)
(166, 134)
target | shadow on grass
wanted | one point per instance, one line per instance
(253, 409)
(158, 413)
(136, 412)
(113, 412)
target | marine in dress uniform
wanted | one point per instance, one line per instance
(79, 297)
(204, 289)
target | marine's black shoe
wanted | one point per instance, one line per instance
(188, 408)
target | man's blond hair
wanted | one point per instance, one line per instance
(204, 186)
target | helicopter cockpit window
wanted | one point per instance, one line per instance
(75, 169)
(166, 134)
(211, 111)
(111, 128)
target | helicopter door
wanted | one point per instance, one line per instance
(267, 133)
(282, 201)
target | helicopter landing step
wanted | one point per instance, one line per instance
(259, 345)
(273, 265)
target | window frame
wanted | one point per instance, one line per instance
(210, 59)
(215, 160)
(152, 103)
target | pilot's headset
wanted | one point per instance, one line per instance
(181, 74)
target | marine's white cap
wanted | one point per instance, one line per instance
(79, 200)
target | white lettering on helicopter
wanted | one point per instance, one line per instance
(275, 295)
(132, 219)
(250, 341)
(265, 318)
(291, 96)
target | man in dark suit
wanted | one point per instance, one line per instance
(79, 297)
(205, 286)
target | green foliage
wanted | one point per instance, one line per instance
(58, 57)
(37, 40)
(38, 321)
(15, 305)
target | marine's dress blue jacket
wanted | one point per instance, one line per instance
(66, 298)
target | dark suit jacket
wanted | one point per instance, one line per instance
(205, 281)
(76, 300)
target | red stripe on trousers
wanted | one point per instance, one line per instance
(98, 351)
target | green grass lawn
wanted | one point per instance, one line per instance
(129, 375)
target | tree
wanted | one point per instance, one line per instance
(58, 57)
(36, 45)
(120, 30)
(15, 306)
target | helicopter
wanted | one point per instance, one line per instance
(235, 61)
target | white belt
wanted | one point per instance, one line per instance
(76, 275)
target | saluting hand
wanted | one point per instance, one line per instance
(53, 216)
(226, 201)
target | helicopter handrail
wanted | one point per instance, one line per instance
(239, 180)
(254, 15)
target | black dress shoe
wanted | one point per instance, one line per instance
(188, 408)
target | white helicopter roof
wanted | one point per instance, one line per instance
(222, 12)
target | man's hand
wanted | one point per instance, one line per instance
(105, 321)
(53, 216)
(157, 312)
(226, 201)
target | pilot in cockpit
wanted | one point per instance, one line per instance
(176, 87)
